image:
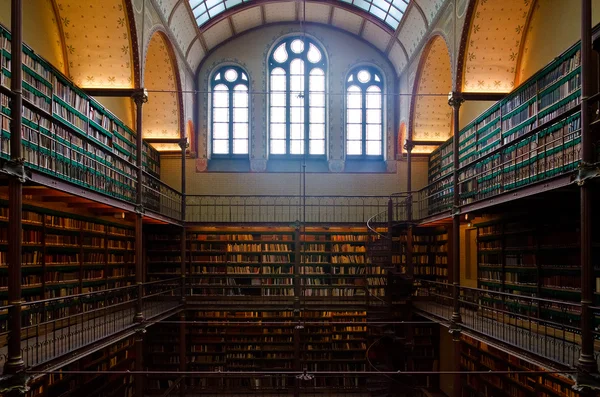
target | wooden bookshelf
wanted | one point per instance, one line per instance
(119, 356)
(430, 253)
(66, 254)
(478, 356)
(67, 134)
(531, 135)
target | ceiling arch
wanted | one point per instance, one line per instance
(162, 114)
(98, 42)
(494, 45)
(431, 117)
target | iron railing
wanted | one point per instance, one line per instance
(547, 328)
(55, 327)
(283, 208)
(161, 198)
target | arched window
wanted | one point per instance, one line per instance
(364, 113)
(229, 86)
(297, 68)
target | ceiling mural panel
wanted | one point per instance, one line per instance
(316, 12)
(98, 43)
(493, 45)
(161, 113)
(432, 117)
(376, 36)
(246, 19)
(412, 31)
(166, 6)
(397, 57)
(346, 20)
(278, 12)
(195, 55)
(217, 34)
(430, 8)
(182, 27)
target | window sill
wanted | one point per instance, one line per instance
(350, 166)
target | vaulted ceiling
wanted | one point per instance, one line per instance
(396, 28)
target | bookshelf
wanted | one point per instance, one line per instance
(67, 134)
(532, 256)
(119, 356)
(478, 356)
(66, 254)
(531, 135)
(430, 252)
(264, 262)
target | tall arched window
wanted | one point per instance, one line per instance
(297, 68)
(364, 113)
(229, 86)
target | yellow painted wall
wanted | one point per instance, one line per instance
(288, 183)
(554, 27)
(40, 29)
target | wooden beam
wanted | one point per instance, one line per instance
(484, 96)
(112, 92)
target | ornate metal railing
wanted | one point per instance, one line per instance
(283, 208)
(546, 328)
(55, 327)
(161, 198)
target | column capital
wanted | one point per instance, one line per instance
(140, 96)
(455, 99)
(183, 144)
(409, 145)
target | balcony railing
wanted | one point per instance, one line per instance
(546, 328)
(284, 208)
(161, 198)
(58, 326)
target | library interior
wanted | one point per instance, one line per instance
(299, 198)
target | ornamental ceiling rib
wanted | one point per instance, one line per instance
(390, 12)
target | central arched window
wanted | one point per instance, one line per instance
(229, 86)
(364, 113)
(297, 68)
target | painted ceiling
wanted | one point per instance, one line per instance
(494, 43)
(395, 27)
(97, 41)
(161, 113)
(432, 119)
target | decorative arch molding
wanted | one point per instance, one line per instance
(433, 77)
(162, 114)
(493, 68)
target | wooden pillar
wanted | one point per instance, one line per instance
(455, 100)
(457, 377)
(586, 363)
(139, 98)
(15, 362)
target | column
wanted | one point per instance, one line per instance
(183, 146)
(455, 100)
(586, 364)
(410, 268)
(15, 166)
(140, 97)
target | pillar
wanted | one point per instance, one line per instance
(455, 100)
(14, 361)
(140, 97)
(586, 363)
